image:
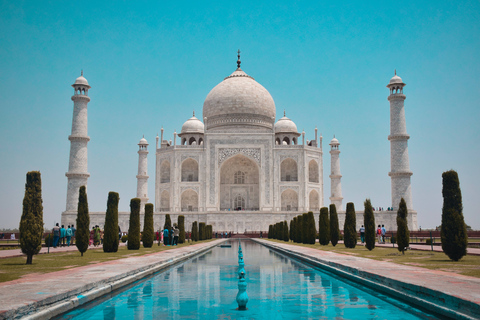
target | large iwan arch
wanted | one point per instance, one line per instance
(239, 184)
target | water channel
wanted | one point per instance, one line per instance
(278, 287)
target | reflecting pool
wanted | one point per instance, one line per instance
(278, 288)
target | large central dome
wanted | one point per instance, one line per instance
(240, 104)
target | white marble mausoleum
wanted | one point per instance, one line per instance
(236, 168)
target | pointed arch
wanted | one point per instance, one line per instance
(165, 201)
(189, 201)
(288, 170)
(289, 200)
(313, 201)
(313, 171)
(165, 171)
(189, 170)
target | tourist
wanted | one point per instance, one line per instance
(92, 236)
(176, 234)
(362, 234)
(73, 234)
(56, 235)
(384, 232)
(101, 235)
(119, 233)
(161, 238)
(170, 236)
(12, 236)
(165, 237)
(62, 235)
(68, 234)
(379, 234)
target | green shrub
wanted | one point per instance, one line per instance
(393, 239)
(403, 235)
(269, 235)
(369, 222)
(124, 238)
(148, 233)
(324, 227)
(82, 235)
(286, 236)
(49, 240)
(134, 225)
(31, 222)
(194, 231)
(311, 229)
(350, 227)
(110, 236)
(300, 228)
(168, 223)
(428, 241)
(454, 230)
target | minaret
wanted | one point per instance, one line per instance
(142, 177)
(335, 176)
(400, 166)
(77, 168)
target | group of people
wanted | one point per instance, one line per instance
(381, 232)
(169, 237)
(62, 236)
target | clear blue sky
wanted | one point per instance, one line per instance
(327, 63)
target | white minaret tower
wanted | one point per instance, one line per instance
(400, 166)
(77, 168)
(335, 176)
(142, 177)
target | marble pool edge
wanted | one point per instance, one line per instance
(420, 295)
(54, 305)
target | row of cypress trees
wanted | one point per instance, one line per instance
(201, 231)
(279, 231)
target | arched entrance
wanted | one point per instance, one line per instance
(239, 184)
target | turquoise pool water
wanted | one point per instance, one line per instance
(278, 288)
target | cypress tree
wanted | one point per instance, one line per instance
(134, 225)
(181, 227)
(269, 234)
(168, 223)
(194, 231)
(323, 227)
(312, 229)
(82, 235)
(453, 231)
(148, 232)
(31, 222)
(300, 228)
(290, 234)
(201, 231)
(286, 236)
(350, 227)
(334, 228)
(275, 231)
(305, 228)
(403, 235)
(369, 222)
(110, 236)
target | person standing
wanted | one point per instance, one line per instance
(62, 235)
(384, 232)
(56, 235)
(68, 234)
(362, 234)
(170, 236)
(161, 238)
(165, 237)
(379, 234)
(73, 234)
(96, 239)
(176, 234)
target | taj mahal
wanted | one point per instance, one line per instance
(238, 169)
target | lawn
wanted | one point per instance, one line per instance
(15, 268)
(468, 265)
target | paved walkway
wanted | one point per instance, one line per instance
(424, 247)
(49, 295)
(444, 292)
(11, 253)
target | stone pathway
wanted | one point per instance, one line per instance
(56, 292)
(11, 253)
(451, 294)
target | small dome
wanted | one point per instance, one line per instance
(396, 79)
(285, 125)
(81, 80)
(334, 142)
(193, 125)
(143, 141)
